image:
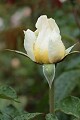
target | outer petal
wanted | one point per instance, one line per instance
(41, 46)
(56, 48)
(29, 43)
(53, 25)
(42, 22)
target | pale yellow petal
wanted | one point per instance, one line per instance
(29, 42)
(41, 45)
(53, 25)
(42, 22)
(56, 49)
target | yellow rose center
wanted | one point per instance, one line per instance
(40, 56)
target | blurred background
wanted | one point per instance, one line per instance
(21, 73)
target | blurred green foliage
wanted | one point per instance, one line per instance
(21, 73)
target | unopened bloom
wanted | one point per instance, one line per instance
(44, 45)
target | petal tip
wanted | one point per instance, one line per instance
(24, 31)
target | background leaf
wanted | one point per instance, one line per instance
(67, 76)
(26, 116)
(11, 111)
(76, 119)
(70, 105)
(66, 83)
(5, 117)
(7, 92)
(51, 117)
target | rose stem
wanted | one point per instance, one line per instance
(51, 98)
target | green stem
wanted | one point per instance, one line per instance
(51, 98)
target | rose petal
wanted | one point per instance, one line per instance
(53, 25)
(56, 48)
(41, 46)
(29, 43)
(42, 22)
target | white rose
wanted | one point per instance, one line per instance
(45, 45)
